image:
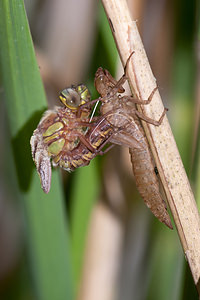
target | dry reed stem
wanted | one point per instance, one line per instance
(102, 256)
(174, 179)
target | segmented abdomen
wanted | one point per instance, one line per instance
(132, 135)
(147, 181)
(80, 156)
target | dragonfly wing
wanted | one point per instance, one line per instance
(42, 160)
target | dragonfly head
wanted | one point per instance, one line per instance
(101, 82)
(75, 96)
(104, 82)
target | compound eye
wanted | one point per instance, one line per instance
(84, 93)
(70, 98)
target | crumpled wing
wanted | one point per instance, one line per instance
(42, 160)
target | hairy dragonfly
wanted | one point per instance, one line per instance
(65, 136)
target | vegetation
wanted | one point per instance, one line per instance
(44, 254)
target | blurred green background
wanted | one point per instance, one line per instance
(91, 237)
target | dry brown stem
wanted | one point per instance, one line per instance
(174, 179)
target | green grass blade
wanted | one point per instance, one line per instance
(165, 265)
(84, 193)
(45, 222)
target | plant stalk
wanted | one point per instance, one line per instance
(172, 173)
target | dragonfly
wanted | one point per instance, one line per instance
(65, 136)
(60, 129)
(119, 110)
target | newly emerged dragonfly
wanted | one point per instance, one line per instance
(59, 130)
(125, 116)
(65, 136)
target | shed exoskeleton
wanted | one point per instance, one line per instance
(121, 113)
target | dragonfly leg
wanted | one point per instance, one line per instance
(89, 145)
(84, 141)
(139, 101)
(114, 83)
(106, 150)
(95, 120)
(150, 120)
(99, 150)
(86, 105)
(117, 85)
(124, 77)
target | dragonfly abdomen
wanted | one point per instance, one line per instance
(147, 183)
